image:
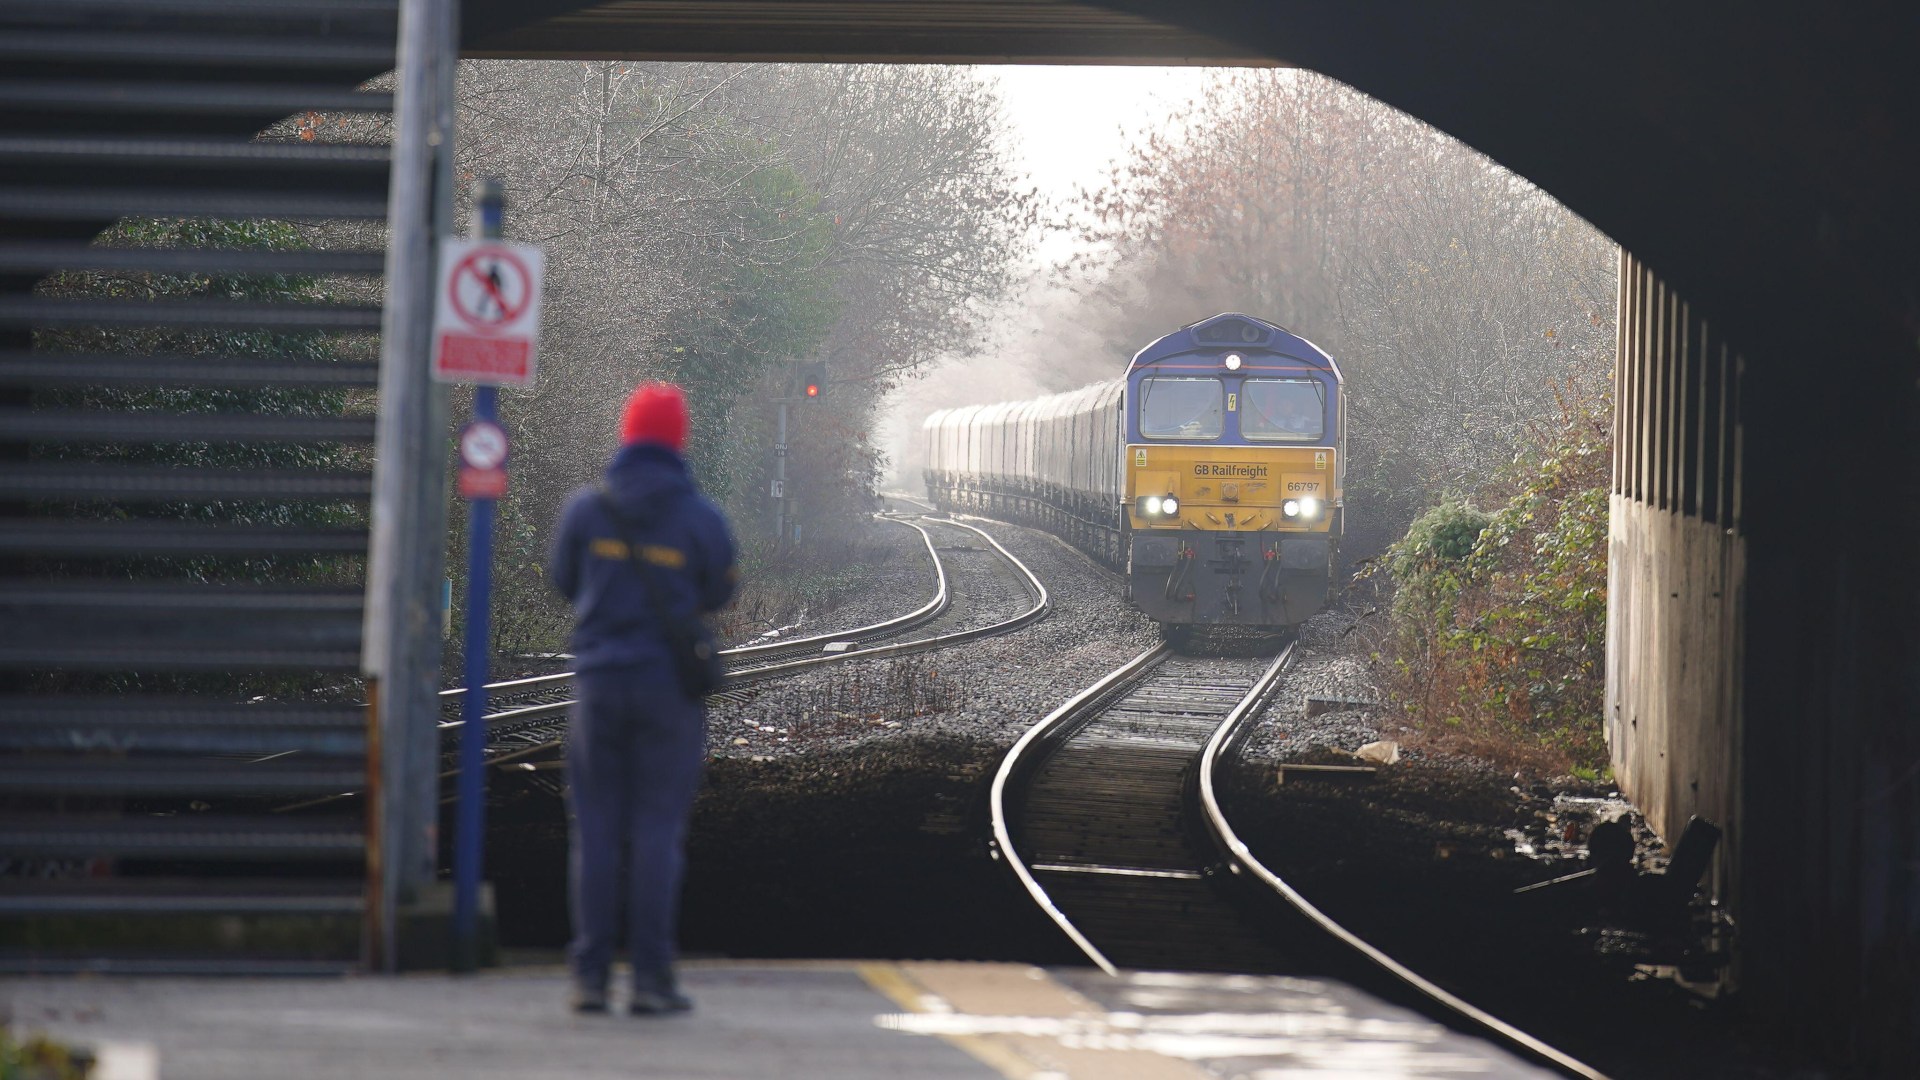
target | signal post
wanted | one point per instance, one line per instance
(806, 383)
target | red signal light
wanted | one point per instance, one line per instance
(811, 378)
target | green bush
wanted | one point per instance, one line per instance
(1429, 565)
(36, 1057)
(1499, 621)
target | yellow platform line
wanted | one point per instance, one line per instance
(894, 984)
(1034, 1028)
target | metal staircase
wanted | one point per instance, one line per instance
(182, 530)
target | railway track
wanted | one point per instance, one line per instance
(523, 729)
(1108, 813)
(527, 721)
(514, 700)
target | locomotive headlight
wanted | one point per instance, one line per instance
(1151, 505)
(1169, 506)
(1309, 508)
(1291, 508)
(1233, 361)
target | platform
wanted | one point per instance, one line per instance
(840, 1020)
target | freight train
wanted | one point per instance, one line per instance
(1211, 474)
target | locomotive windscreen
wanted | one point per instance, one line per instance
(1182, 408)
(1283, 409)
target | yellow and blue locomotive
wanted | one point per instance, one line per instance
(1211, 474)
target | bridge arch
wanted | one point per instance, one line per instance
(1756, 168)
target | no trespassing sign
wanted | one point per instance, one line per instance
(486, 316)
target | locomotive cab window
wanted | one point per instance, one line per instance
(1182, 408)
(1283, 410)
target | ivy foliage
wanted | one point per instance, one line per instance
(777, 303)
(189, 400)
(160, 397)
(1429, 565)
(37, 1057)
(1499, 619)
(192, 342)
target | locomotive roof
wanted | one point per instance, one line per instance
(1227, 332)
(1231, 331)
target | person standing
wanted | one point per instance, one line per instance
(641, 547)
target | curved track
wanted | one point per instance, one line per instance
(1108, 814)
(530, 716)
(533, 723)
(541, 695)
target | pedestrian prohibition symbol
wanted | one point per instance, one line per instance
(486, 316)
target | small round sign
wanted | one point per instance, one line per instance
(483, 445)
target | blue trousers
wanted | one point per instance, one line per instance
(633, 766)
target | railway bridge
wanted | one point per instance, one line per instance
(1756, 165)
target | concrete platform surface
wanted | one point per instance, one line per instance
(841, 1020)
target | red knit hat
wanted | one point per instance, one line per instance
(656, 413)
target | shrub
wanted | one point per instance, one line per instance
(1499, 621)
(1428, 565)
(36, 1057)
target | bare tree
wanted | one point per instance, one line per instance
(706, 222)
(1455, 294)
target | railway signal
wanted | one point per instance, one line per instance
(806, 381)
(813, 380)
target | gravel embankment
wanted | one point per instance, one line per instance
(896, 576)
(991, 689)
(1349, 713)
(860, 829)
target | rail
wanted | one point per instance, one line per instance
(927, 612)
(1244, 862)
(1042, 603)
(1017, 761)
(1134, 692)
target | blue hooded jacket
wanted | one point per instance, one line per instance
(682, 536)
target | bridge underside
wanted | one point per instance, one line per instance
(852, 31)
(1764, 669)
(1760, 166)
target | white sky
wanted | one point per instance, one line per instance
(1066, 121)
(1067, 124)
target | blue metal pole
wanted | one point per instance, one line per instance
(489, 213)
(470, 825)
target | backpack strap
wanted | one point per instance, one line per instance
(696, 656)
(649, 576)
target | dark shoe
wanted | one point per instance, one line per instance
(589, 999)
(657, 1002)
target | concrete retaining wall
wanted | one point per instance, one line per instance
(1675, 600)
(1763, 662)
